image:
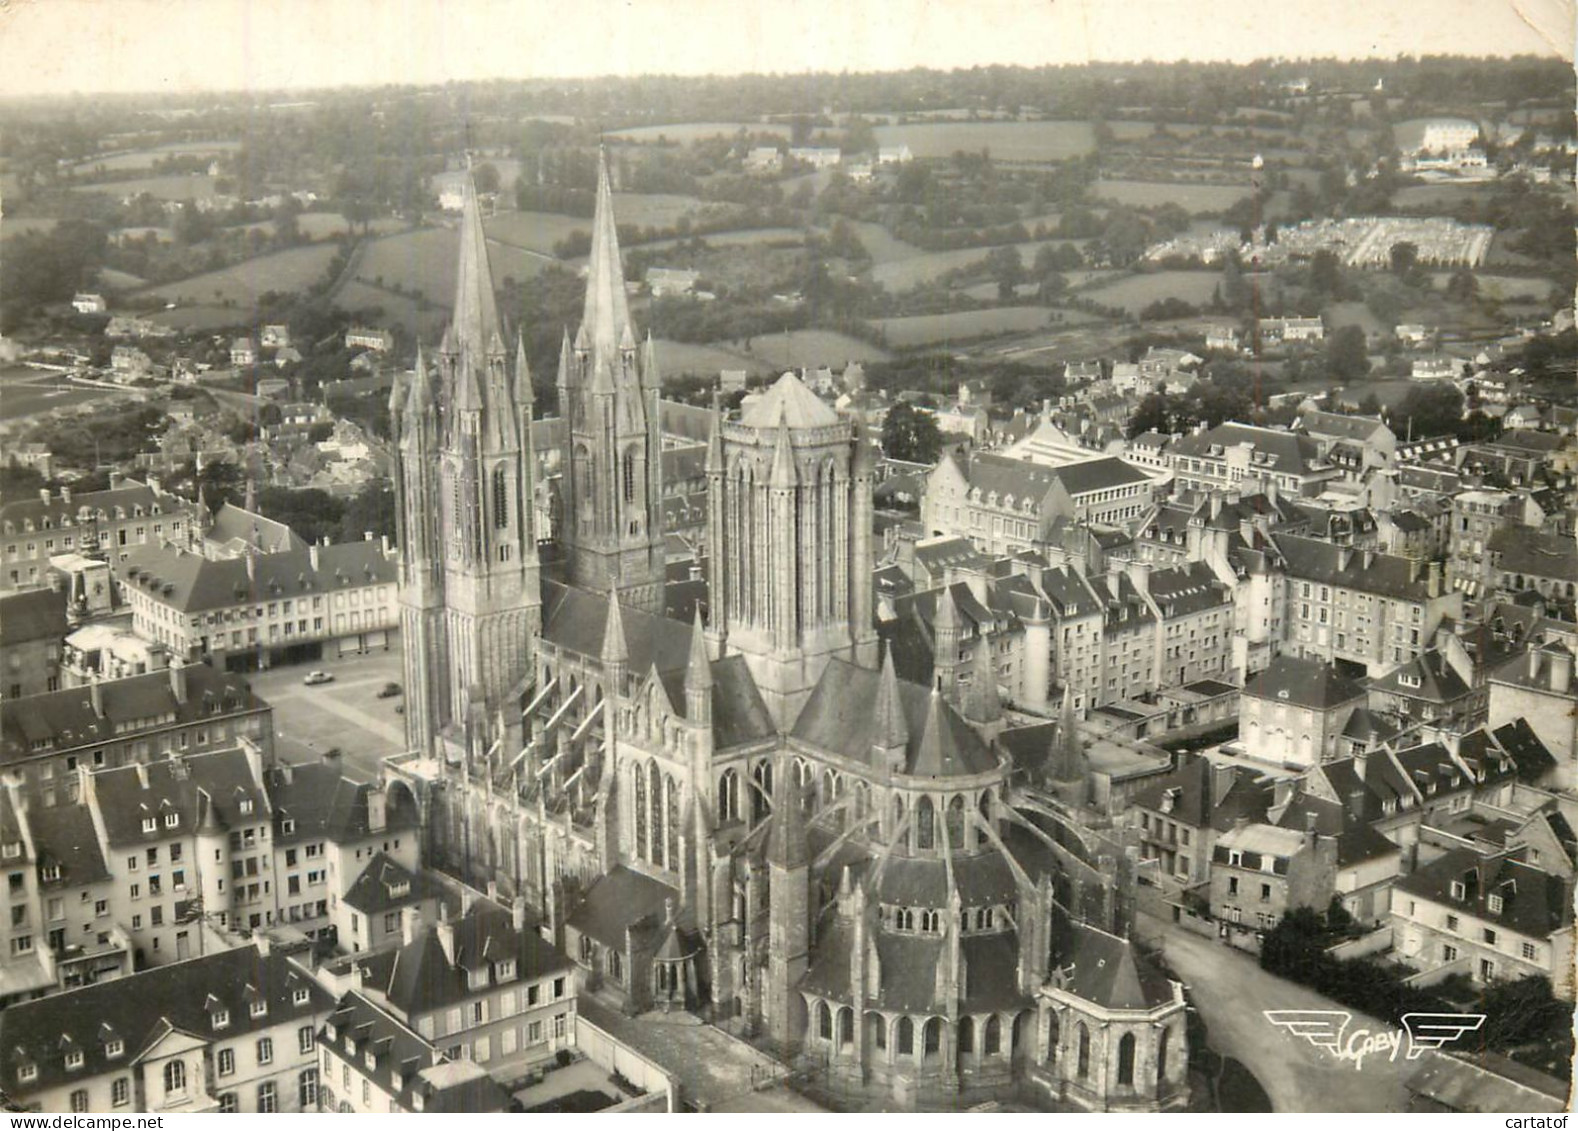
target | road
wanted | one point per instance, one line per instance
(1230, 990)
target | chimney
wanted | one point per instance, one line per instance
(252, 567)
(1114, 585)
(261, 941)
(1344, 557)
(96, 694)
(178, 680)
(1216, 506)
(518, 913)
(1221, 781)
(1359, 764)
(1240, 823)
(312, 557)
(446, 939)
(377, 809)
(1140, 575)
(1433, 579)
(383, 542)
(1534, 663)
(142, 774)
(1561, 671)
(43, 494)
(367, 536)
(410, 925)
(155, 485)
(1369, 560)
(116, 480)
(493, 891)
(65, 495)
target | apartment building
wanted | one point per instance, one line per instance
(1246, 457)
(234, 1031)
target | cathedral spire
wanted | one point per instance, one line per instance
(1068, 759)
(982, 704)
(476, 314)
(715, 435)
(523, 389)
(615, 649)
(783, 473)
(698, 668)
(605, 319)
(892, 735)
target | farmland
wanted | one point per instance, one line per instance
(193, 186)
(1194, 198)
(423, 263)
(202, 316)
(917, 270)
(741, 238)
(145, 158)
(533, 231)
(687, 132)
(1007, 141)
(1506, 288)
(243, 284)
(29, 392)
(1136, 292)
(797, 349)
(963, 325)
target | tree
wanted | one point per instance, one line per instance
(1153, 414)
(1435, 409)
(1405, 256)
(1346, 359)
(1326, 273)
(486, 177)
(908, 433)
(1006, 269)
(1462, 286)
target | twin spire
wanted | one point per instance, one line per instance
(605, 318)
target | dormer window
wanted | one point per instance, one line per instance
(1493, 904)
(74, 1059)
(171, 820)
(115, 1048)
(302, 996)
(287, 826)
(505, 969)
(150, 824)
(1459, 889)
(51, 873)
(246, 805)
(221, 1019)
(258, 1008)
(12, 850)
(27, 1072)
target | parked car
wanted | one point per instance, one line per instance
(389, 691)
(315, 678)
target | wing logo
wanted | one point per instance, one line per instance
(1328, 1031)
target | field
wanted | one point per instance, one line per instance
(904, 274)
(533, 231)
(1439, 196)
(813, 348)
(882, 245)
(687, 132)
(203, 316)
(190, 187)
(1340, 314)
(29, 392)
(1136, 292)
(323, 225)
(1507, 288)
(1192, 197)
(425, 261)
(242, 284)
(742, 238)
(396, 310)
(21, 225)
(119, 280)
(652, 210)
(963, 325)
(145, 158)
(1007, 141)
(678, 358)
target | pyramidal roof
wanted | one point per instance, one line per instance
(605, 319)
(791, 403)
(475, 323)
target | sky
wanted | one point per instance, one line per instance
(89, 46)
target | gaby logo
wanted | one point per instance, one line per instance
(1327, 1029)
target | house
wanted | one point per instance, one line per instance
(1495, 918)
(1220, 337)
(368, 338)
(290, 604)
(1538, 686)
(243, 352)
(104, 650)
(1180, 816)
(1375, 442)
(86, 302)
(1414, 334)
(128, 363)
(1225, 457)
(764, 159)
(1438, 367)
(484, 987)
(1260, 872)
(32, 454)
(275, 335)
(1294, 712)
(1291, 329)
(894, 155)
(32, 630)
(232, 1031)
(818, 157)
(1439, 688)
(368, 915)
(372, 1063)
(665, 281)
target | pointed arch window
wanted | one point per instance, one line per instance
(629, 475)
(1126, 1059)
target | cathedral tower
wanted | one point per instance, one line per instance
(612, 526)
(471, 601)
(790, 534)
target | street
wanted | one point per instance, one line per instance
(346, 713)
(1231, 992)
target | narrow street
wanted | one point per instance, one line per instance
(1232, 992)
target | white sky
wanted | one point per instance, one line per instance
(62, 46)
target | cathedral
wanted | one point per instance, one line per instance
(748, 816)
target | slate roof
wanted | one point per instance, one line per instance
(1187, 589)
(1356, 841)
(360, 1028)
(991, 973)
(191, 583)
(1533, 759)
(838, 718)
(1194, 800)
(129, 496)
(576, 621)
(1534, 903)
(1105, 969)
(1525, 550)
(37, 614)
(1023, 479)
(1438, 682)
(231, 522)
(1485, 1082)
(1288, 452)
(1386, 575)
(1356, 428)
(64, 835)
(789, 401)
(1303, 683)
(419, 977)
(141, 1009)
(67, 718)
(622, 898)
(323, 804)
(373, 892)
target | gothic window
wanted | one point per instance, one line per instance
(824, 1021)
(992, 1038)
(924, 833)
(956, 822)
(728, 797)
(986, 818)
(966, 1034)
(762, 794)
(803, 778)
(1083, 1061)
(629, 472)
(501, 500)
(639, 774)
(1161, 1054)
(906, 1035)
(1126, 1059)
(655, 786)
(671, 823)
(898, 814)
